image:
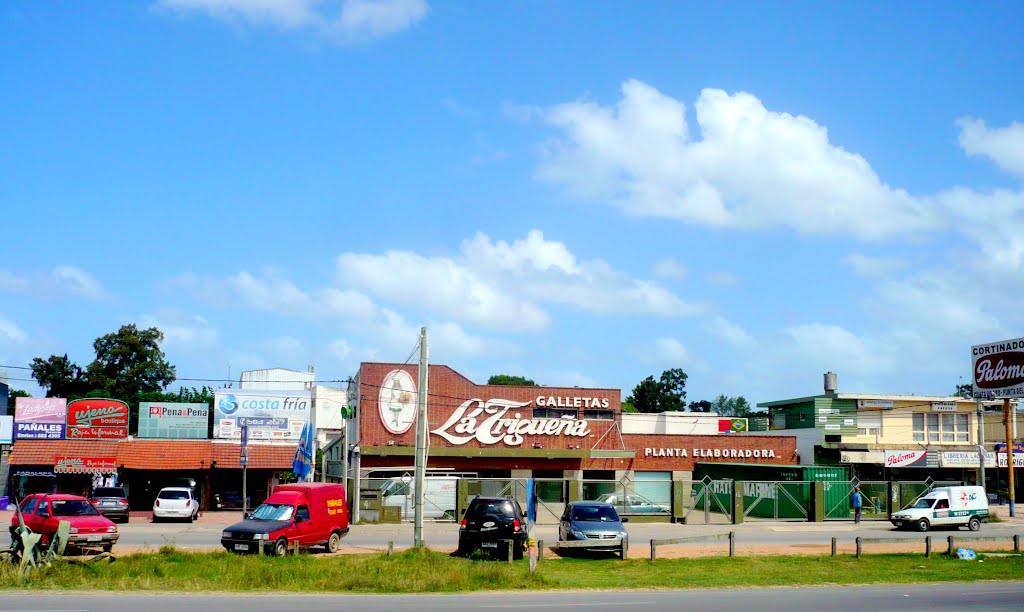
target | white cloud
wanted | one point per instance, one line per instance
(752, 169)
(10, 333)
(869, 266)
(1004, 146)
(669, 268)
(63, 280)
(726, 330)
(671, 350)
(340, 349)
(355, 21)
(722, 278)
(182, 331)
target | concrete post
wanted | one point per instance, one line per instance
(737, 502)
(817, 505)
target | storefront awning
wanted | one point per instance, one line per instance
(82, 456)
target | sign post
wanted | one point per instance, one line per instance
(243, 458)
(998, 369)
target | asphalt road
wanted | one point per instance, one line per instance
(990, 596)
(205, 533)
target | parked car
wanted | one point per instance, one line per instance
(633, 504)
(232, 500)
(945, 506)
(594, 522)
(490, 520)
(89, 529)
(175, 502)
(112, 502)
(310, 513)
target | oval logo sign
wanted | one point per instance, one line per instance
(397, 403)
(999, 370)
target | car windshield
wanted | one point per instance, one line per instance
(71, 507)
(594, 513)
(479, 509)
(109, 492)
(273, 512)
(924, 503)
(171, 494)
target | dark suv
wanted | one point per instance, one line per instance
(489, 523)
(112, 502)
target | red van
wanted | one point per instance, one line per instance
(310, 513)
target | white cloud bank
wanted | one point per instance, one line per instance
(61, 281)
(355, 21)
(1004, 146)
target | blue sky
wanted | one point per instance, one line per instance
(584, 193)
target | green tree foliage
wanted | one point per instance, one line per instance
(508, 379)
(732, 406)
(60, 376)
(628, 407)
(666, 393)
(964, 390)
(701, 406)
(129, 362)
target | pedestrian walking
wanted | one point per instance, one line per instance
(857, 500)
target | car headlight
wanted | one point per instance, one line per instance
(73, 530)
(112, 529)
(226, 535)
(623, 534)
(261, 536)
(578, 535)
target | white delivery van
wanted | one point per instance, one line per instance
(438, 496)
(953, 506)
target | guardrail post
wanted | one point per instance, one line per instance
(949, 551)
(816, 511)
(540, 549)
(625, 547)
(858, 547)
(1016, 542)
(737, 502)
(928, 546)
(732, 543)
(654, 550)
(295, 548)
(391, 547)
(510, 545)
(833, 546)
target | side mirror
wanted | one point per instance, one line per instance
(624, 519)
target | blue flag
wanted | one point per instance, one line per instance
(303, 464)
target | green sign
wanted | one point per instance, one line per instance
(175, 421)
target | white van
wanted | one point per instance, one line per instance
(945, 506)
(438, 496)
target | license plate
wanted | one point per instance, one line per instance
(488, 544)
(94, 538)
(241, 547)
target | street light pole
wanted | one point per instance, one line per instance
(421, 438)
(981, 444)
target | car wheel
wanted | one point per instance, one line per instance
(333, 542)
(974, 524)
(281, 548)
(107, 547)
(923, 525)
(192, 518)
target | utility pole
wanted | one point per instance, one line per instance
(981, 445)
(1009, 453)
(421, 438)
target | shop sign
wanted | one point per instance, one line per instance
(906, 458)
(571, 402)
(6, 429)
(875, 404)
(97, 419)
(486, 423)
(39, 431)
(1018, 455)
(712, 453)
(175, 420)
(943, 406)
(998, 369)
(269, 415)
(965, 459)
(85, 465)
(40, 410)
(397, 402)
(876, 457)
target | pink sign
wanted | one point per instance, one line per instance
(40, 410)
(906, 458)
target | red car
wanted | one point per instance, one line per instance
(89, 528)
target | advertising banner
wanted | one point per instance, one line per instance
(85, 465)
(269, 415)
(97, 419)
(965, 459)
(998, 369)
(1018, 455)
(39, 418)
(174, 421)
(906, 458)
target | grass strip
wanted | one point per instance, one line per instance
(426, 571)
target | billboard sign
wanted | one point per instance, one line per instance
(40, 418)
(998, 369)
(97, 419)
(966, 459)
(175, 421)
(269, 415)
(906, 458)
(397, 402)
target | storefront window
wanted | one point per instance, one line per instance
(919, 427)
(941, 427)
(962, 427)
(933, 427)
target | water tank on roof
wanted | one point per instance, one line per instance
(831, 383)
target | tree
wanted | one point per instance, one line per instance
(508, 379)
(732, 406)
(667, 393)
(627, 407)
(12, 396)
(60, 376)
(964, 390)
(129, 362)
(701, 406)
